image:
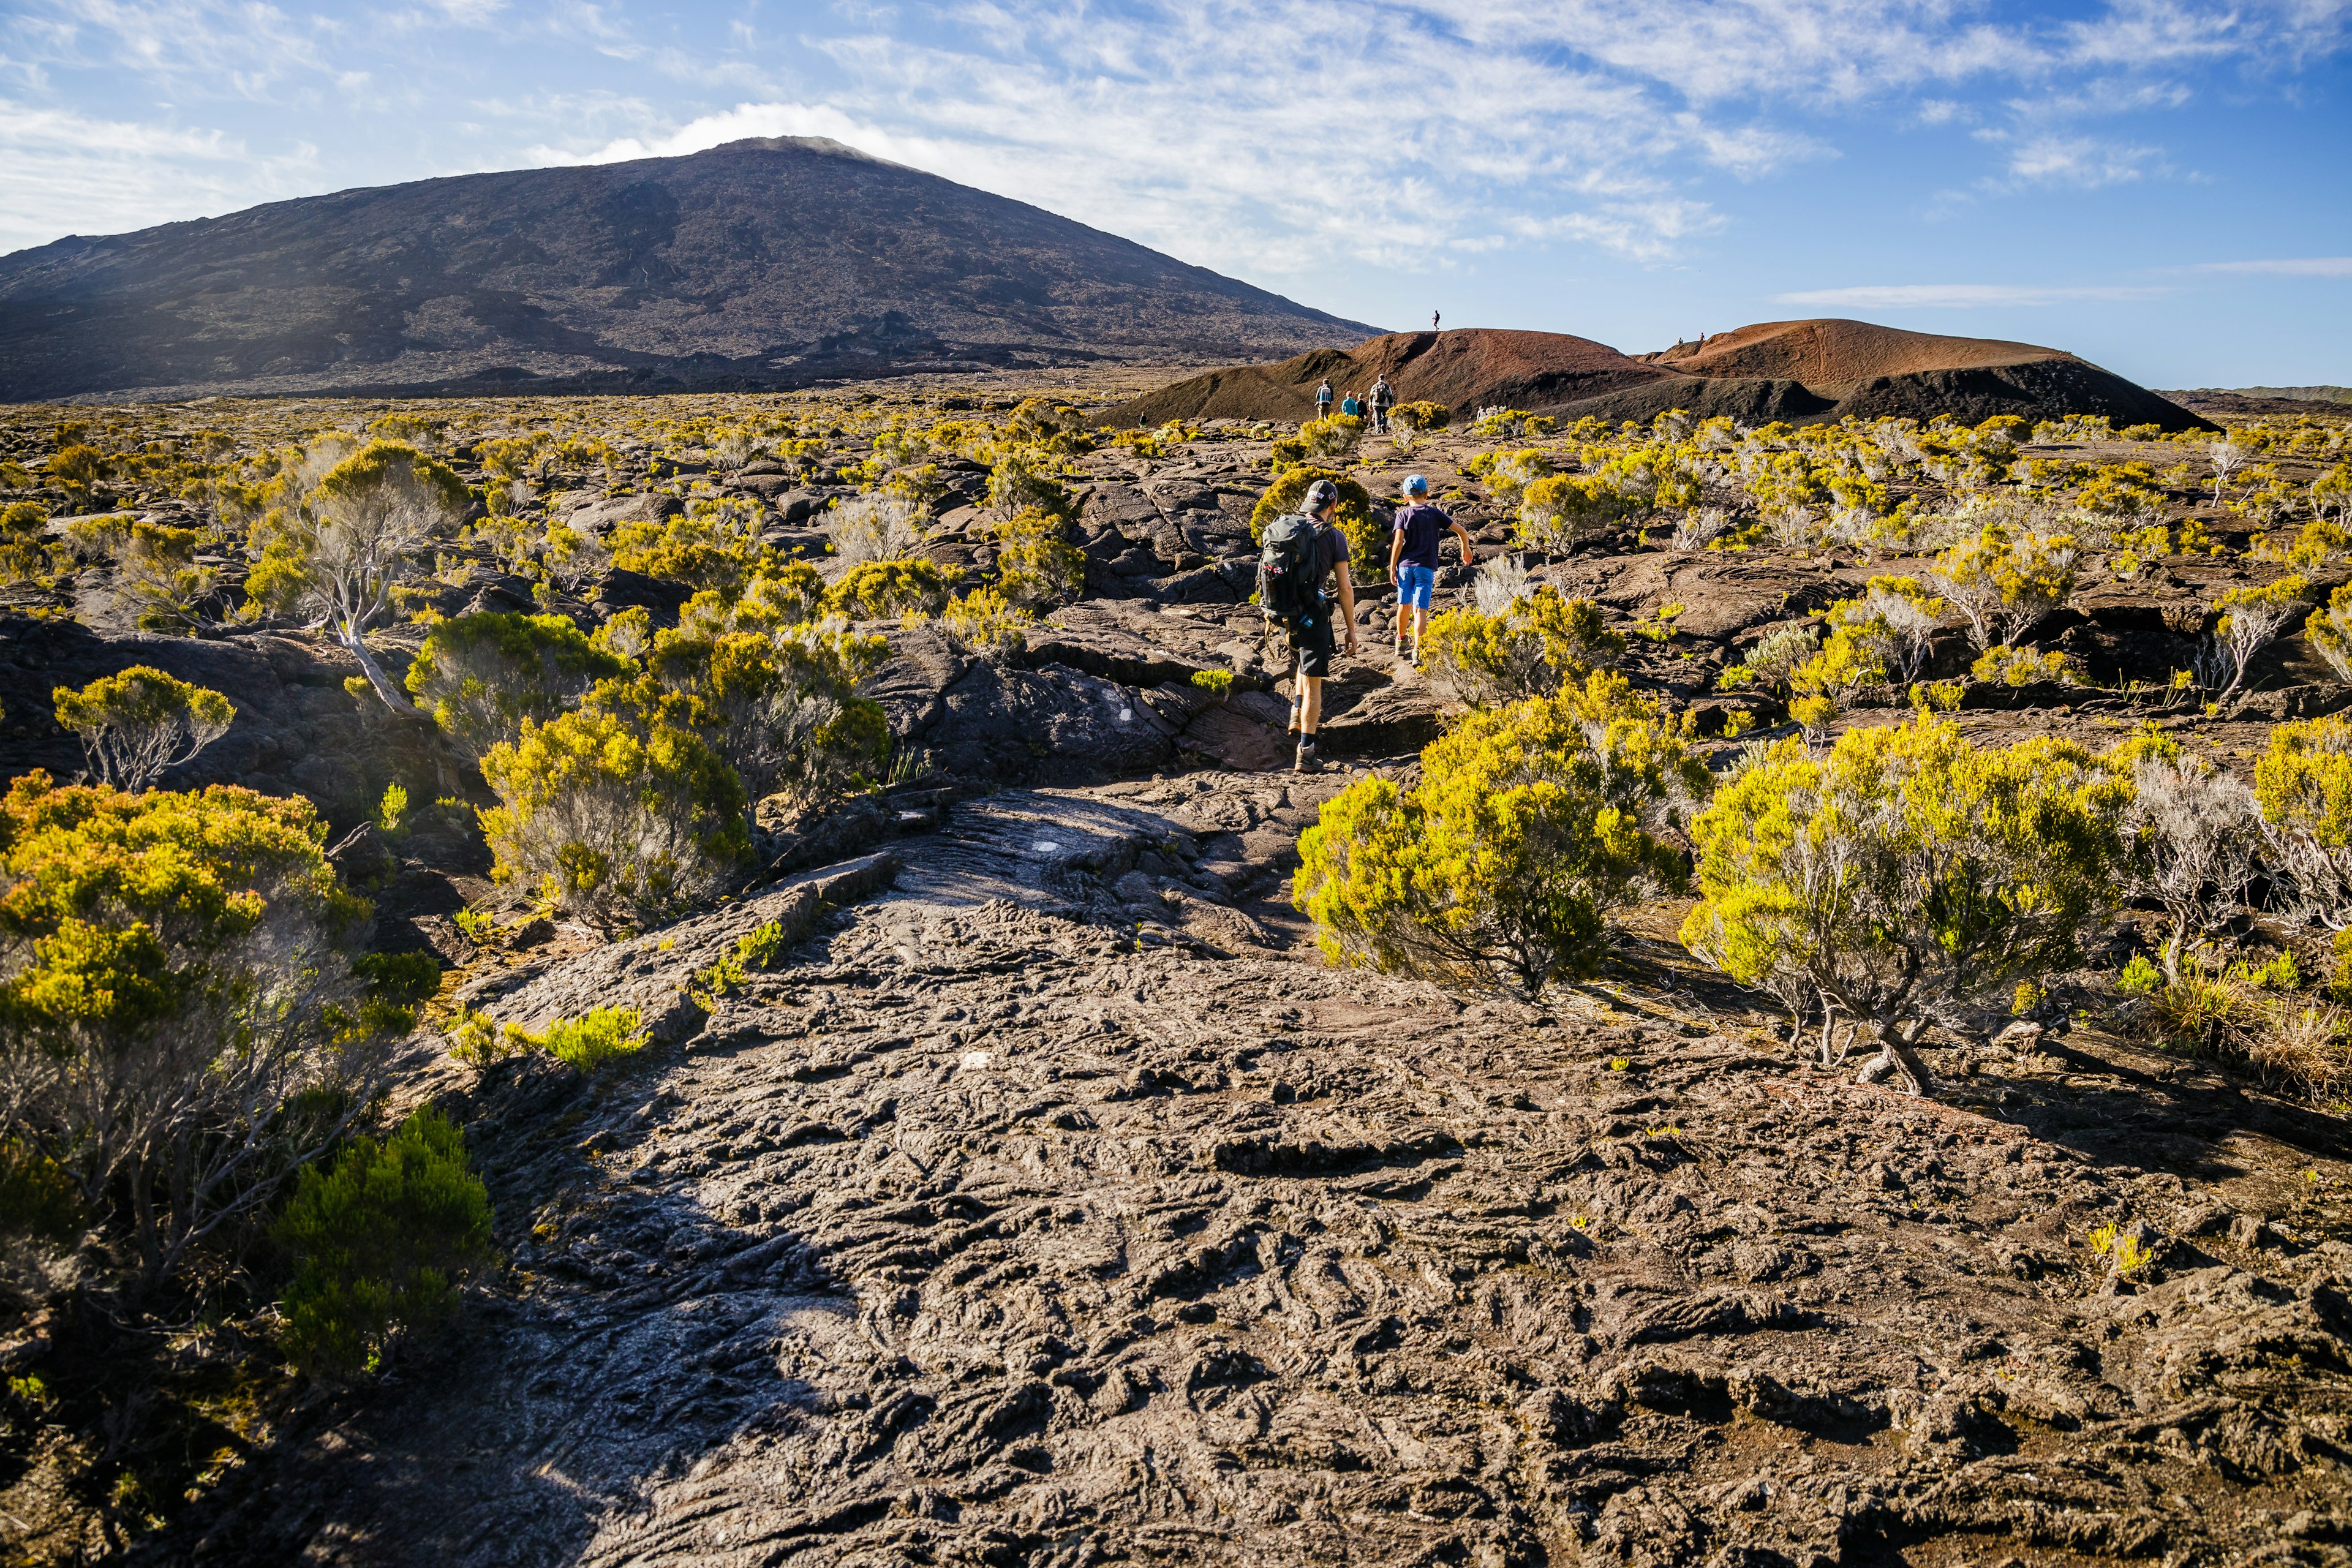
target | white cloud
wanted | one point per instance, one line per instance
(2293, 267)
(1963, 296)
(2083, 163)
(62, 172)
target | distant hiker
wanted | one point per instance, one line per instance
(1323, 401)
(1350, 406)
(1432, 320)
(1300, 550)
(1383, 399)
(1414, 556)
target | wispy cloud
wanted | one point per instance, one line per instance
(70, 173)
(1965, 295)
(2291, 266)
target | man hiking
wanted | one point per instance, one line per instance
(1300, 550)
(1383, 398)
(1413, 555)
(1323, 401)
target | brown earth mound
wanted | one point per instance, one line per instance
(1802, 372)
(1462, 370)
(1835, 358)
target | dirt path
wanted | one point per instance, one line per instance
(995, 1226)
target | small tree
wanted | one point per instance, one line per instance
(158, 569)
(180, 1024)
(2303, 785)
(2006, 580)
(2252, 620)
(381, 1240)
(2330, 631)
(349, 530)
(2226, 457)
(138, 725)
(484, 677)
(1908, 878)
(1530, 825)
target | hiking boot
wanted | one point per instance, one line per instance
(1308, 762)
(1294, 721)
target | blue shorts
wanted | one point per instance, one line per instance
(1414, 585)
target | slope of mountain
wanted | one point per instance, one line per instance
(1797, 371)
(761, 264)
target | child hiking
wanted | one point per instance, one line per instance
(1414, 554)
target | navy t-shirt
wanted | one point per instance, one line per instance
(1424, 527)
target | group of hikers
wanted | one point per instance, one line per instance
(1372, 405)
(1301, 549)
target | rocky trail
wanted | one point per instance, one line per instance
(1047, 1203)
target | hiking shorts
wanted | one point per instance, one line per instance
(1315, 646)
(1414, 585)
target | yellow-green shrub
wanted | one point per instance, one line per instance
(136, 725)
(1529, 826)
(616, 812)
(713, 544)
(1959, 872)
(984, 621)
(179, 1021)
(2005, 666)
(1538, 641)
(483, 676)
(597, 1037)
(881, 590)
(1036, 565)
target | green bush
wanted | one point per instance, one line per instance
(781, 705)
(483, 676)
(713, 544)
(1958, 874)
(756, 949)
(382, 1238)
(1216, 682)
(985, 622)
(1422, 415)
(1530, 825)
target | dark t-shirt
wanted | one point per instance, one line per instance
(1330, 549)
(1424, 527)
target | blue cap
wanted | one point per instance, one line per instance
(1414, 485)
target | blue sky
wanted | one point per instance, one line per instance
(2162, 186)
